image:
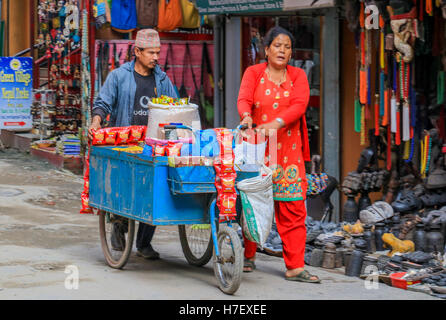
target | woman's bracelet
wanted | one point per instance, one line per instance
(246, 114)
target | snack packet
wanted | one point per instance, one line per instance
(137, 133)
(226, 205)
(98, 137)
(85, 208)
(225, 183)
(223, 166)
(104, 136)
(173, 149)
(159, 150)
(122, 135)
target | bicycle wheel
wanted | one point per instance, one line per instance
(107, 221)
(228, 267)
(196, 242)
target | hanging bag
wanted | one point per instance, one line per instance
(191, 17)
(170, 16)
(147, 13)
(205, 101)
(196, 97)
(183, 90)
(258, 205)
(166, 67)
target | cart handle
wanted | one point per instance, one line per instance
(174, 126)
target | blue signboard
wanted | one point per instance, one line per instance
(16, 83)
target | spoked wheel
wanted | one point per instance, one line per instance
(196, 242)
(228, 267)
(117, 252)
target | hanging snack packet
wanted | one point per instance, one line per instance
(122, 135)
(137, 133)
(85, 194)
(159, 150)
(223, 166)
(227, 182)
(85, 208)
(173, 149)
(226, 205)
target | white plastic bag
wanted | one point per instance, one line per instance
(258, 205)
(249, 153)
(186, 114)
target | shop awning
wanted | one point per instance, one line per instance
(238, 6)
(306, 4)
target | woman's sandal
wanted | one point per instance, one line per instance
(304, 276)
(248, 264)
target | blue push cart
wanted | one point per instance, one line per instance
(128, 187)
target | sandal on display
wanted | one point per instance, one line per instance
(304, 276)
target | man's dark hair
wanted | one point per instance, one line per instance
(274, 32)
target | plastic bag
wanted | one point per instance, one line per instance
(249, 153)
(258, 205)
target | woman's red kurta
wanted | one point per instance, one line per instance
(266, 101)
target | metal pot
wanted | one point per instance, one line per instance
(329, 260)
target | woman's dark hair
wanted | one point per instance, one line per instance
(274, 32)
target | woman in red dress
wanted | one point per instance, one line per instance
(275, 95)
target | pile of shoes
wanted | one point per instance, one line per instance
(438, 280)
(416, 260)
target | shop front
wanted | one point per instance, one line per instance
(238, 42)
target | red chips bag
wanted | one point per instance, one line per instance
(159, 150)
(99, 137)
(227, 182)
(173, 149)
(226, 205)
(223, 166)
(85, 194)
(104, 136)
(137, 133)
(122, 135)
(85, 208)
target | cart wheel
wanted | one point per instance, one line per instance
(228, 267)
(115, 259)
(196, 242)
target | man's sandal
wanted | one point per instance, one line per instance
(248, 264)
(304, 276)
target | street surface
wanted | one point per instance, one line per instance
(42, 236)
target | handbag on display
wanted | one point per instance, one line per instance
(191, 17)
(205, 101)
(166, 67)
(170, 16)
(147, 13)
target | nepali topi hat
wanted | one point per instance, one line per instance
(147, 38)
